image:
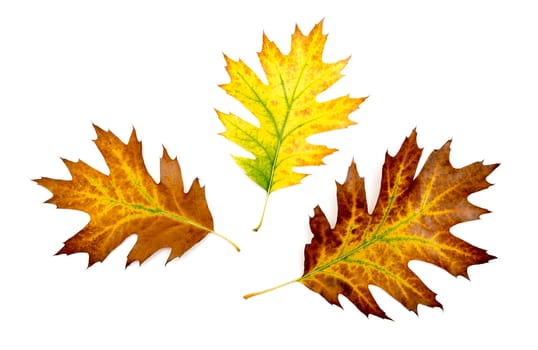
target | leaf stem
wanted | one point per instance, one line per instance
(226, 239)
(263, 213)
(247, 296)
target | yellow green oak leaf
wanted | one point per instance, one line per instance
(287, 110)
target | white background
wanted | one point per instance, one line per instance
(461, 70)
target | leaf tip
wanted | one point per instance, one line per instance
(490, 169)
(319, 26)
(130, 261)
(98, 130)
(133, 138)
(166, 155)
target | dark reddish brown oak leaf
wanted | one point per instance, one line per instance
(128, 201)
(411, 221)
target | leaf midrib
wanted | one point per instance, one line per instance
(376, 237)
(155, 210)
(281, 137)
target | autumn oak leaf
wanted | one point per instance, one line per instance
(411, 221)
(128, 201)
(286, 109)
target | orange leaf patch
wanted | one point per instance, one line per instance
(128, 201)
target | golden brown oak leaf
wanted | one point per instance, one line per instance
(128, 201)
(411, 221)
(286, 108)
